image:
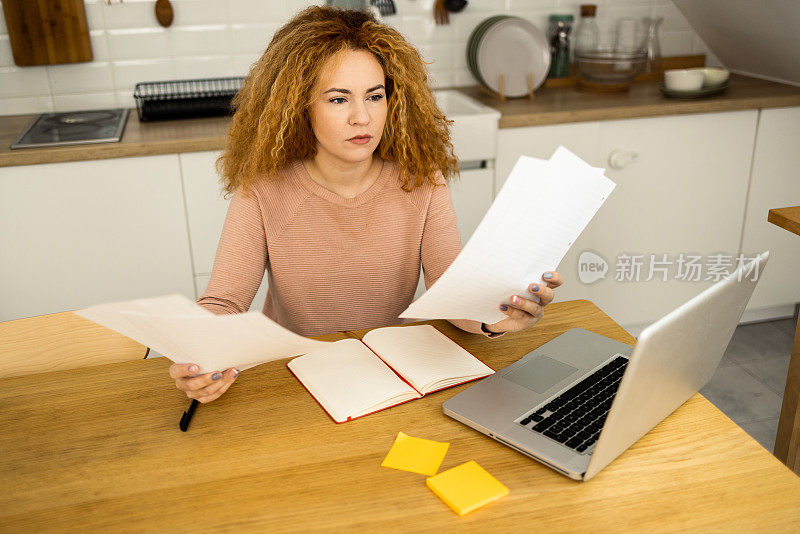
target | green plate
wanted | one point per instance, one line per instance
(699, 93)
(474, 43)
(477, 35)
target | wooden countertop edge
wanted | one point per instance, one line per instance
(36, 156)
(633, 111)
(786, 218)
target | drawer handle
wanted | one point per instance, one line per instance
(619, 159)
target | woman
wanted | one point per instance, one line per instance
(337, 158)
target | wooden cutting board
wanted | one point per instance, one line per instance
(46, 32)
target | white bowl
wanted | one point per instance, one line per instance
(684, 79)
(715, 76)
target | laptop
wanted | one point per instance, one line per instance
(581, 399)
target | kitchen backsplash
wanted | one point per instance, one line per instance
(211, 38)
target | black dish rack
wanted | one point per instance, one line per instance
(183, 99)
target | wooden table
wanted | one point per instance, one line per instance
(98, 449)
(787, 442)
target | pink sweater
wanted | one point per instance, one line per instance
(333, 263)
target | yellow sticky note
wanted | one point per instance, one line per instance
(466, 487)
(416, 455)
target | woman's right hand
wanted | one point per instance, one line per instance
(204, 388)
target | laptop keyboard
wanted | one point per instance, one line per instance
(576, 417)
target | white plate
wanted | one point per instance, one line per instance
(515, 48)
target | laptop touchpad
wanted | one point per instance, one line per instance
(540, 374)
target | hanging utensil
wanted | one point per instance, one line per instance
(440, 13)
(164, 13)
(386, 7)
(454, 6)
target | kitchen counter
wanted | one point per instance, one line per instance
(549, 106)
(566, 104)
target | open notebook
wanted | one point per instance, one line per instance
(390, 365)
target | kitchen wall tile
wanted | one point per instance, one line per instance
(483, 6)
(606, 3)
(539, 18)
(260, 11)
(415, 7)
(394, 21)
(421, 30)
(464, 25)
(94, 14)
(438, 56)
(25, 105)
(138, 43)
(242, 63)
(609, 16)
(200, 40)
(673, 18)
(528, 5)
(85, 101)
(441, 79)
(459, 60)
(125, 100)
(69, 78)
(128, 73)
(251, 38)
(203, 67)
(129, 14)
(99, 45)
(675, 43)
(199, 12)
(23, 81)
(700, 47)
(3, 27)
(463, 78)
(6, 54)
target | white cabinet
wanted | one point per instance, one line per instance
(205, 207)
(472, 195)
(684, 192)
(205, 210)
(775, 183)
(81, 233)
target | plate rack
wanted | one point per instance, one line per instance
(501, 85)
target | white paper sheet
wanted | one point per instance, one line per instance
(541, 210)
(184, 332)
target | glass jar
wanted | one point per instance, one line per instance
(558, 37)
(587, 33)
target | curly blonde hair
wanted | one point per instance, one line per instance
(272, 127)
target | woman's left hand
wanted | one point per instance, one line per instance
(523, 312)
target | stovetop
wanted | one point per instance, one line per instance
(74, 128)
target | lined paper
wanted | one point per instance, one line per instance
(424, 356)
(348, 380)
(540, 212)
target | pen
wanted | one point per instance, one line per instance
(187, 416)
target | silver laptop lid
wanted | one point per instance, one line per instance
(682, 350)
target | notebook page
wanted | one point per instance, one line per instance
(217, 342)
(541, 210)
(348, 380)
(424, 356)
